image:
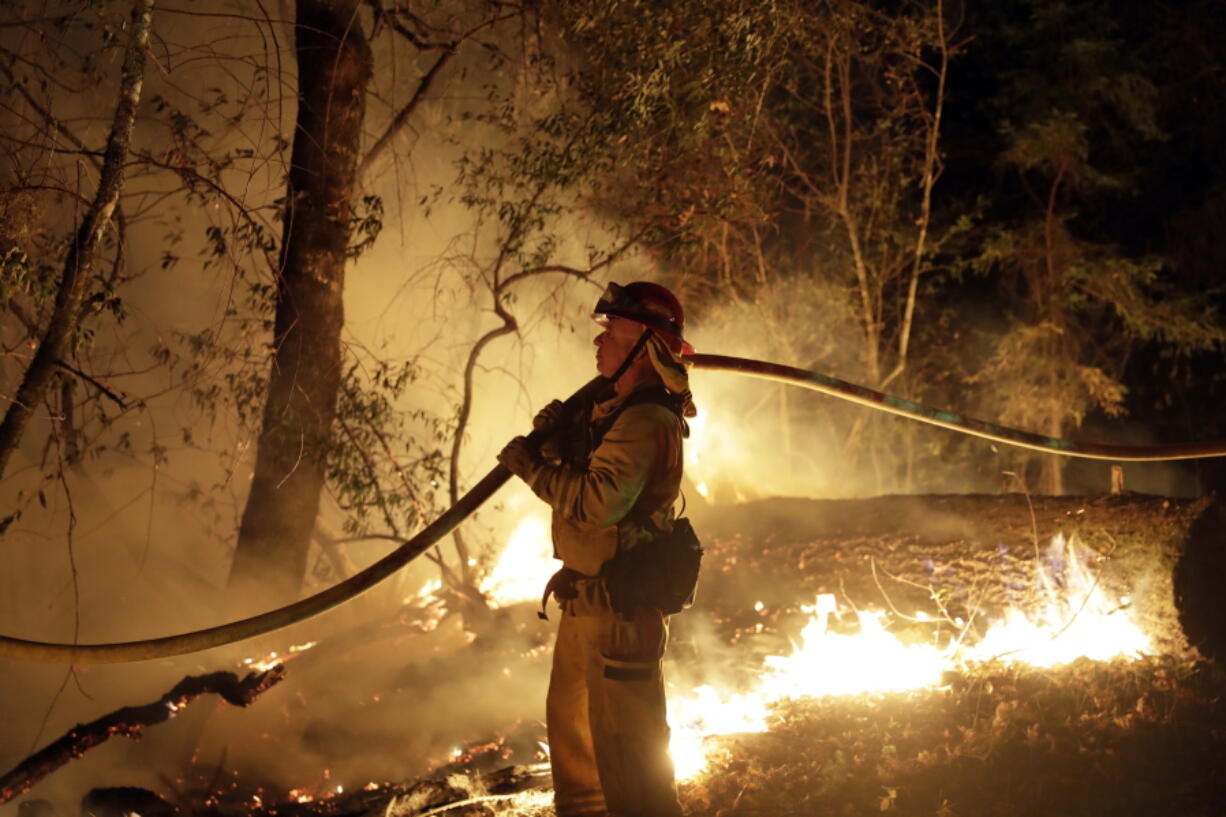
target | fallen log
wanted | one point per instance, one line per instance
(971, 557)
(131, 720)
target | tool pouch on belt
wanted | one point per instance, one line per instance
(662, 573)
(561, 585)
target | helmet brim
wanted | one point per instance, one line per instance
(676, 344)
(617, 303)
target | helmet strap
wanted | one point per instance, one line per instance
(631, 355)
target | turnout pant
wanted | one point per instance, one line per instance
(605, 713)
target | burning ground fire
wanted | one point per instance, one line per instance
(1077, 619)
(845, 651)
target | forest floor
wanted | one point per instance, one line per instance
(1142, 737)
(1121, 737)
(1090, 738)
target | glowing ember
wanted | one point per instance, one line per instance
(1077, 620)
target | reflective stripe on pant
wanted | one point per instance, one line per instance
(608, 732)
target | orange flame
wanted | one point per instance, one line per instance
(1077, 620)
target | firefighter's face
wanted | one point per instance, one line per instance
(614, 343)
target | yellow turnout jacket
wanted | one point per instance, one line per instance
(636, 466)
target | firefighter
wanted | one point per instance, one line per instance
(611, 476)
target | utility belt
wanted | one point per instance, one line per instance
(660, 574)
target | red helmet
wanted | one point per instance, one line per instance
(650, 304)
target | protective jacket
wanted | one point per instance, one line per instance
(625, 488)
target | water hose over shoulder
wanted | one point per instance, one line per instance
(48, 652)
(833, 386)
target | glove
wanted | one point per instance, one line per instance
(550, 416)
(520, 458)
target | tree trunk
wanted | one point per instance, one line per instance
(978, 554)
(79, 262)
(334, 66)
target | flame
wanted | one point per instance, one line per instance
(824, 663)
(721, 463)
(425, 592)
(520, 573)
(274, 658)
(703, 451)
(1077, 619)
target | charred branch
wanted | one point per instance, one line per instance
(131, 720)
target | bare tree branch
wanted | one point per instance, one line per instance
(392, 19)
(115, 398)
(449, 50)
(509, 325)
(402, 116)
(97, 158)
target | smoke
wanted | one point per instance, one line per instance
(153, 510)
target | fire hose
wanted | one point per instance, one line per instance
(199, 640)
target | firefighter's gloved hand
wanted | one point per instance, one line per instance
(550, 416)
(520, 458)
